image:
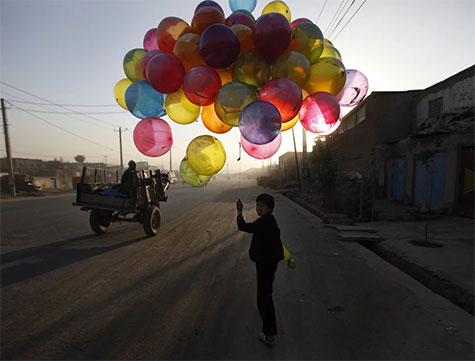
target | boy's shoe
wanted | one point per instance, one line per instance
(269, 340)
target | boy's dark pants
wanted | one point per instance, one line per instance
(265, 278)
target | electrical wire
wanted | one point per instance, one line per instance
(344, 26)
(336, 26)
(71, 105)
(337, 13)
(55, 112)
(65, 130)
(321, 11)
(61, 106)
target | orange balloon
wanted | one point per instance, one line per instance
(187, 49)
(169, 31)
(289, 124)
(226, 75)
(205, 17)
(244, 34)
(211, 120)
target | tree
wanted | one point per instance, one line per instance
(80, 158)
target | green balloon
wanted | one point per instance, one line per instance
(291, 263)
(191, 177)
(232, 99)
(292, 65)
(252, 69)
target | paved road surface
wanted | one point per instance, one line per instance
(189, 292)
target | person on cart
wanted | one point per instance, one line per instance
(129, 182)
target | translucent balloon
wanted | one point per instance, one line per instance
(260, 122)
(238, 17)
(319, 112)
(153, 137)
(262, 151)
(143, 101)
(150, 40)
(232, 98)
(251, 68)
(150, 54)
(327, 51)
(187, 49)
(306, 37)
(169, 31)
(355, 89)
(327, 75)
(248, 13)
(119, 91)
(213, 4)
(133, 64)
(191, 177)
(205, 17)
(288, 125)
(248, 5)
(244, 34)
(334, 127)
(285, 95)
(219, 46)
(225, 75)
(299, 21)
(277, 7)
(212, 122)
(201, 85)
(165, 73)
(180, 109)
(292, 65)
(206, 155)
(271, 35)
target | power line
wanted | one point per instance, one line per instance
(64, 130)
(46, 100)
(336, 26)
(337, 13)
(71, 105)
(321, 11)
(344, 26)
(55, 112)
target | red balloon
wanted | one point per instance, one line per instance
(205, 17)
(285, 95)
(150, 54)
(219, 46)
(271, 35)
(169, 31)
(165, 73)
(201, 85)
(319, 112)
(239, 17)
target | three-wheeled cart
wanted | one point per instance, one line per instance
(144, 208)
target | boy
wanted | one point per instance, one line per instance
(266, 251)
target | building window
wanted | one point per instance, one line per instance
(361, 114)
(435, 106)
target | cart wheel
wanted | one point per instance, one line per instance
(99, 221)
(151, 222)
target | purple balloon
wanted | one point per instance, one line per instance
(271, 35)
(213, 4)
(150, 40)
(355, 89)
(260, 122)
(262, 151)
(219, 46)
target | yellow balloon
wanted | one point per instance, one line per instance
(277, 7)
(330, 52)
(226, 75)
(180, 109)
(288, 125)
(206, 155)
(287, 254)
(326, 75)
(119, 91)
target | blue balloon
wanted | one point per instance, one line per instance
(248, 5)
(260, 122)
(143, 101)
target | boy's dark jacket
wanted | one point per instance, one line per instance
(266, 246)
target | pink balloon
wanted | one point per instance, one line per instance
(299, 21)
(150, 40)
(261, 151)
(355, 89)
(153, 137)
(319, 112)
(333, 129)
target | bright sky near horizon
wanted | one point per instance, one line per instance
(70, 52)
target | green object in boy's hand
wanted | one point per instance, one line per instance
(291, 263)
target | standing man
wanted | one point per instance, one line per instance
(129, 182)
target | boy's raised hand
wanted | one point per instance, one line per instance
(239, 206)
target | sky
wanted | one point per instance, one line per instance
(70, 53)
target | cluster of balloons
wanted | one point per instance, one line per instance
(260, 76)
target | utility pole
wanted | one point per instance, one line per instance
(120, 145)
(11, 178)
(170, 159)
(296, 160)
